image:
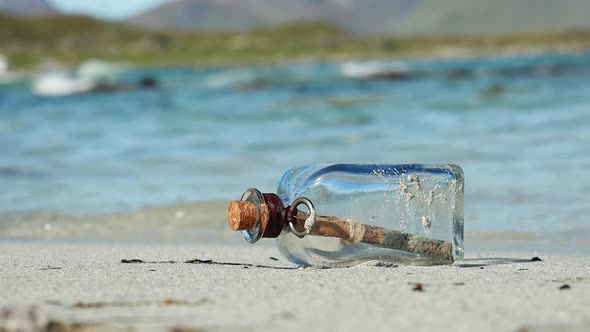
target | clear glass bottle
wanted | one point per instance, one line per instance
(343, 214)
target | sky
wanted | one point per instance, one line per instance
(110, 9)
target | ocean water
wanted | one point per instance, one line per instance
(518, 125)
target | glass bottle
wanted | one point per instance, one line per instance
(342, 214)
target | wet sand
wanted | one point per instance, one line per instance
(204, 221)
(105, 286)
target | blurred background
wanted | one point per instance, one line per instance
(151, 114)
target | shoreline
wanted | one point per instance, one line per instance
(206, 222)
(450, 53)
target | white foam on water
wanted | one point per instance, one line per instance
(3, 65)
(6, 75)
(60, 84)
(228, 78)
(99, 70)
(85, 78)
(360, 69)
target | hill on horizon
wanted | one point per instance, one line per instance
(27, 7)
(398, 17)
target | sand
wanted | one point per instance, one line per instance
(84, 286)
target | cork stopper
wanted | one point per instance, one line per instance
(242, 215)
(257, 215)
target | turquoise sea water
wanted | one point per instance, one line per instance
(519, 127)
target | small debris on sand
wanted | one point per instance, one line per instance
(131, 261)
(418, 287)
(140, 261)
(187, 329)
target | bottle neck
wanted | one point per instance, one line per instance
(273, 225)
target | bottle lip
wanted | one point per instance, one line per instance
(253, 195)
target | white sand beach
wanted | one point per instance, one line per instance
(81, 286)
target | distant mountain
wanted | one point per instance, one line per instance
(27, 7)
(404, 17)
(232, 15)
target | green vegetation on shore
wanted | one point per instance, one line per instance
(28, 42)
